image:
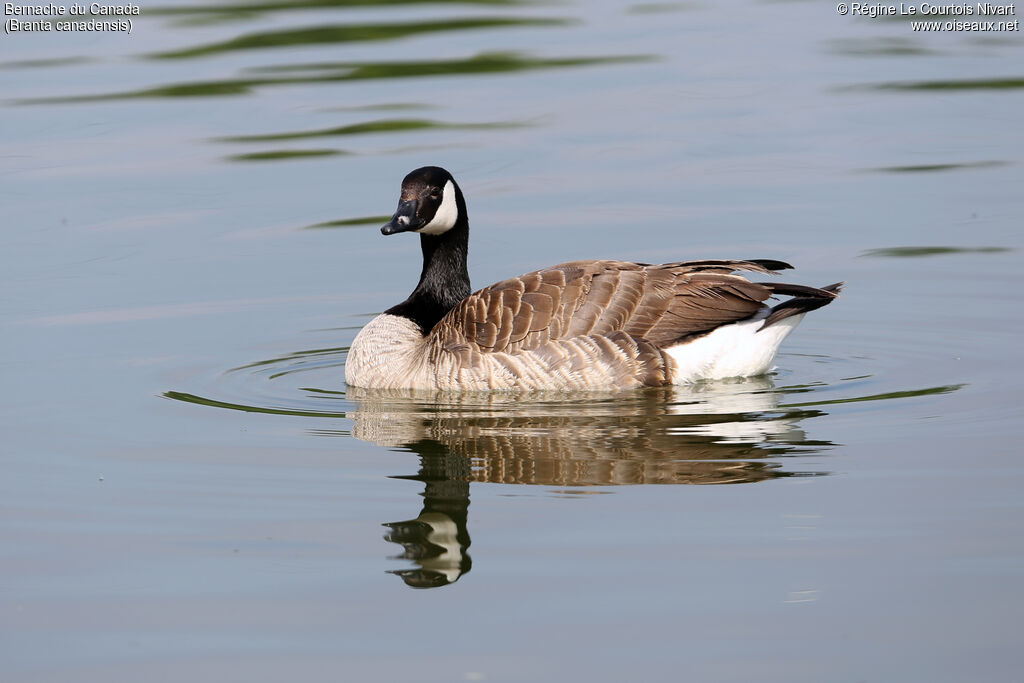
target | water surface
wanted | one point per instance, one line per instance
(191, 245)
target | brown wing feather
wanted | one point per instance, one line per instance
(658, 303)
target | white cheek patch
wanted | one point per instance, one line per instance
(447, 213)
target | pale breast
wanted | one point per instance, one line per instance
(391, 353)
(388, 353)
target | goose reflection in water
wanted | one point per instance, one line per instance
(714, 433)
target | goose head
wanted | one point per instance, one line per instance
(431, 203)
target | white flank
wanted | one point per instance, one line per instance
(446, 215)
(738, 350)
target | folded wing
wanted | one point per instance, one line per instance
(662, 304)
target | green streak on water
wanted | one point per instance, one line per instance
(209, 14)
(929, 168)
(350, 222)
(381, 126)
(45, 63)
(293, 356)
(483, 63)
(248, 9)
(383, 106)
(949, 388)
(880, 47)
(284, 154)
(326, 392)
(348, 33)
(961, 84)
(914, 252)
(199, 400)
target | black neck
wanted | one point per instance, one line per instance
(444, 281)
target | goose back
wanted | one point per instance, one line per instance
(662, 304)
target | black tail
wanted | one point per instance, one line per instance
(804, 299)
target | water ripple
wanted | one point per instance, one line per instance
(349, 33)
(340, 72)
(737, 431)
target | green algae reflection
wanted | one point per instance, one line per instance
(350, 222)
(911, 393)
(367, 127)
(213, 403)
(209, 13)
(917, 252)
(881, 47)
(933, 168)
(286, 154)
(966, 84)
(350, 33)
(340, 72)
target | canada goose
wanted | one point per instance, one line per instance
(582, 325)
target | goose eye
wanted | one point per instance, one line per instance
(435, 192)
